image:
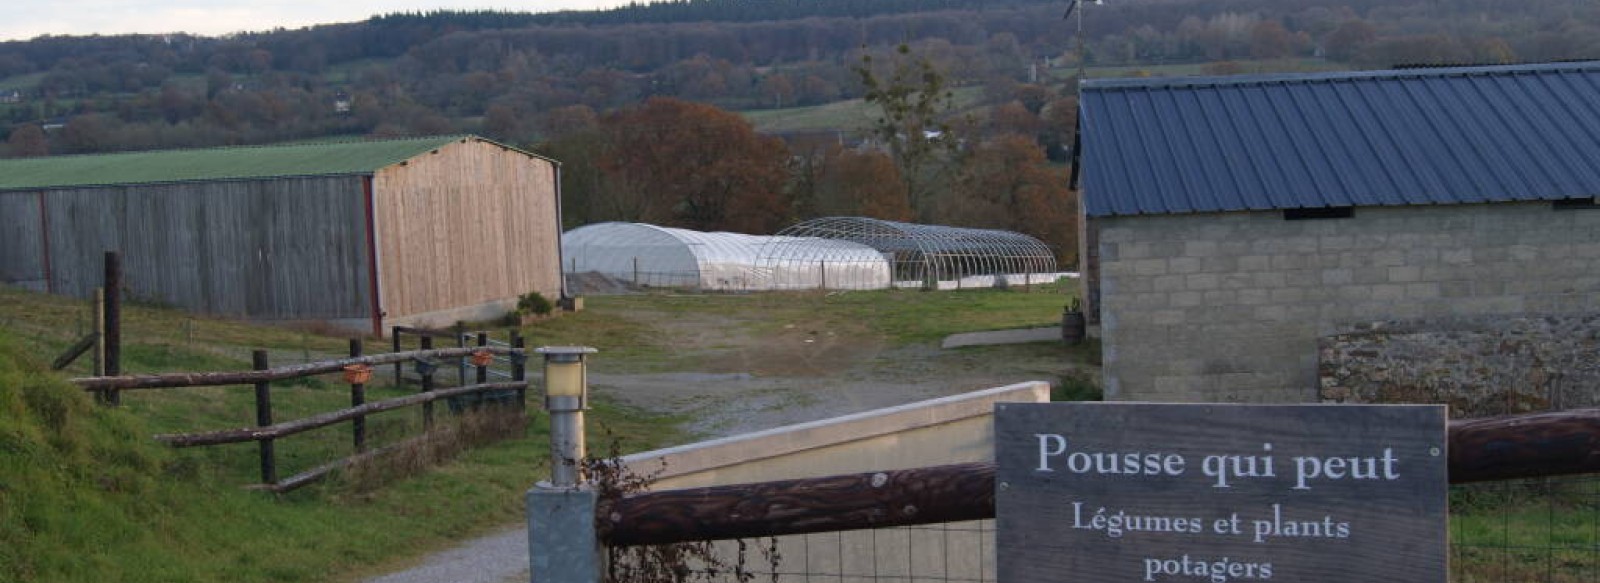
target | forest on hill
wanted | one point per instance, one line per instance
(499, 73)
(578, 85)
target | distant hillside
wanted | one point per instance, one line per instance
(683, 11)
(505, 74)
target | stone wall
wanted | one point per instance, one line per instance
(1479, 366)
(1228, 307)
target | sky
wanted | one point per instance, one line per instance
(25, 19)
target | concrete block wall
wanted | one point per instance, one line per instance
(1227, 307)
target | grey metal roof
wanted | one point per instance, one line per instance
(1375, 138)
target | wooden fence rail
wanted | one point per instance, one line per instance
(245, 434)
(214, 379)
(1525, 446)
(266, 431)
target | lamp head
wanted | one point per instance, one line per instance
(564, 374)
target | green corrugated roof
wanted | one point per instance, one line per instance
(322, 159)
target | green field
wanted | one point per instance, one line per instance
(855, 114)
(848, 115)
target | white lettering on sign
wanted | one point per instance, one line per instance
(1339, 468)
(1055, 453)
(1053, 450)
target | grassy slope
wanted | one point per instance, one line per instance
(86, 495)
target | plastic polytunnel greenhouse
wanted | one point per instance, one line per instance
(610, 257)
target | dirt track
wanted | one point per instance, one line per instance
(748, 380)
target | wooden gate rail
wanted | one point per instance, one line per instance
(1503, 448)
(212, 379)
(287, 428)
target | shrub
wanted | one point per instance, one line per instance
(534, 303)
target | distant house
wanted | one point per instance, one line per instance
(364, 234)
(1233, 223)
(10, 96)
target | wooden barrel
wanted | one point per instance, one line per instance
(1073, 327)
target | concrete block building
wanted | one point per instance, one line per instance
(363, 234)
(1233, 222)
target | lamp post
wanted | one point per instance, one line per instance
(562, 543)
(566, 382)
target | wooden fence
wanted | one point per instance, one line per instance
(357, 370)
(1503, 448)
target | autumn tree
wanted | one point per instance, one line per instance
(1270, 40)
(27, 141)
(1014, 118)
(913, 99)
(501, 122)
(1006, 183)
(1345, 42)
(571, 119)
(587, 194)
(837, 181)
(693, 165)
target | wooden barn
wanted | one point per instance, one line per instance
(362, 234)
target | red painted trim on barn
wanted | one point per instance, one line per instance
(44, 236)
(372, 257)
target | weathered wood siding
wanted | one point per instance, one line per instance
(468, 224)
(279, 249)
(21, 240)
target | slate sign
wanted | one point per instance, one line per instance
(1110, 492)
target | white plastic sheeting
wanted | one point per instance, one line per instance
(647, 255)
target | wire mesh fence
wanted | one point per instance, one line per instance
(1544, 530)
(936, 553)
(823, 276)
(1519, 531)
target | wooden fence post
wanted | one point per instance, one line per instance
(399, 373)
(460, 330)
(100, 334)
(635, 273)
(269, 464)
(358, 397)
(113, 308)
(483, 371)
(427, 386)
(519, 369)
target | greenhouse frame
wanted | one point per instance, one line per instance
(928, 256)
